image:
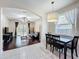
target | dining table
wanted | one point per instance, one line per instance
(65, 39)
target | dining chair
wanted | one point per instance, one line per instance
(56, 44)
(73, 45)
(48, 40)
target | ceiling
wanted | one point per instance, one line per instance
(19, 14)
(37, 6)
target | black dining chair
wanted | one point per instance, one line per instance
(73, 45)
(48, 40)
(56, 44)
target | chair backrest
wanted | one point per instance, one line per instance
(75, 41)
(48, 36)
(56, 37)
(23, 37)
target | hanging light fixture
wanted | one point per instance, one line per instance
(52, 17)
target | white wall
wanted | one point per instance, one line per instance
(1, 41)
(5, 21)
(38, 26)
(44, 29)
(11, 26)
(0, 31)
(51, 27)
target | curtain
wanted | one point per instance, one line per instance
(67, 22)
(29, 27)
(71, 15)
(16, 25)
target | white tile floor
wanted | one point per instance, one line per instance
(35, 51)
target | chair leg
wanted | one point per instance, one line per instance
(46, 45)
(72, 53)
(53, 49)
(56, 49)
(62, 50)
(59, 54)
(76, 52)
(50, 47)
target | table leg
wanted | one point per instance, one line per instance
(46, 45)
(65, 50)
(72, 53)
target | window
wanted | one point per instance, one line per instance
(22, 29)
(63, 25)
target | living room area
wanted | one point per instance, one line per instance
(20, 28)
